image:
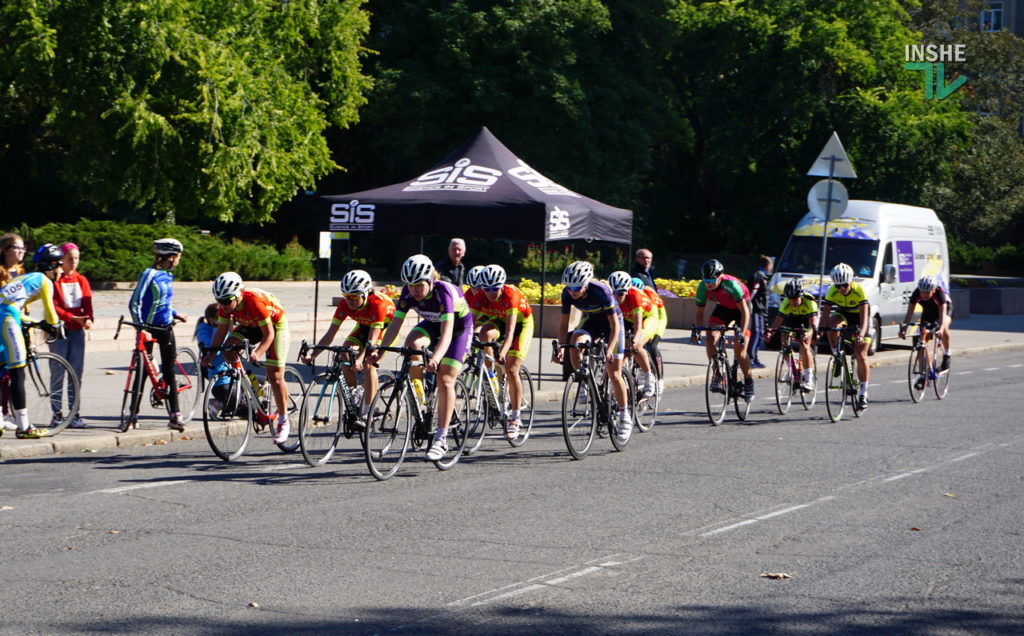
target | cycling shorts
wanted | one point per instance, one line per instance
(723, 316)
(358, 336)
(462, 336)
(13, 353)
(277, 354)
(597, 327)
(522, 335)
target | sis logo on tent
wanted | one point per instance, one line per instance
(558, 223)
(463, 176)
(352, 217)
(533, 178)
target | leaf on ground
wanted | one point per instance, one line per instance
(6, 507)
(109, 372)
(254, 604)
(776, 575)
(916, 529)
(90, 450)
(949, 494)
(184, 438)
(113, 532)
(160, 441)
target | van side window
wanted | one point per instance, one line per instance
(887, 260)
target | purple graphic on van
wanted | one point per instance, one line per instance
(905, 261)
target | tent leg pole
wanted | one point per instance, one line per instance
(543, 285)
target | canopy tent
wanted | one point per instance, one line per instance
(481, 190)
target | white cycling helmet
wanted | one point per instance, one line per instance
(492, 276)
(620, 281)
(927, 283)
(167, 247)
(417, 268)
(226, 286)
(473, 276)
(356, 282)
(578, 274)
(842, 274)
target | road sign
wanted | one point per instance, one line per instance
(832, 161)
(827, 199)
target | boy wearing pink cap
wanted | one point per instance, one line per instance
(72, 298)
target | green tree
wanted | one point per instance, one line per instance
(184, 109)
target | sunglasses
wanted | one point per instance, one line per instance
(353, 297)
(493, 289)
(225, 301)
(842, 285)
(710, 281)
(574, 288)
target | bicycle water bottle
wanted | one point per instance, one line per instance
(417, 388)
(256, 386)
(493, 379)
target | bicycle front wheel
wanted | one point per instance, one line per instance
(631, 397)
(941, 383)
(809, 398)
(457, 427)
(226, 421)
(784, 381)
(320, 419)
(917, 372)
(741, 404)
(525, 410)
(132, 393)
(187, 380)
(579, 416)
(388, 427)
(52, 392)
(835, 387)
(853, 386)
(716, 390)
(292, 407)
(646, 407)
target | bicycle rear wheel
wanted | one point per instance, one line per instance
(52, 392)
(809, 398)
(132, 393)
(579, 417)
(716, 401)
(388, 427)
(631, 397)
(941, 383)
(915, 368)
(187, 380)
(479, 412)
(227, 423)
(646, 407)
(320, 419)
(835, 387)
(293, 406)
(457, 427)
(525, 410)
(784, 381)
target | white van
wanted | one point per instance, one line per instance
(888, 245)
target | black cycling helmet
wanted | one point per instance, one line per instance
(794, 288)
(47, 258)
(712, 269)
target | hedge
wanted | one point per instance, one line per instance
(113, 251)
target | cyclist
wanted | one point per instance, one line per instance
(446, 325)
(258, 317)
(732, 307)
(661, 323)
(846, 303)
(637, 314)
(13, 351)
(798, 310)
(372, 311)
(936, 307)
(151, 305)
(508, 316)
(602, 318)
(474, 295)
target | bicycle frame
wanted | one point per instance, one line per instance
(159, 384)
(841, 357)
(924, 362)
(733, 386)
(342, 357)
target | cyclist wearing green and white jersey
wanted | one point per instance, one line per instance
(846, 304)
(798, 310)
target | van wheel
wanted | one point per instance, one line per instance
(876, 336)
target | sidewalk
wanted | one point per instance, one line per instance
(105, 370)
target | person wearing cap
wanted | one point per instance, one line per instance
(14, 296)
(151, 304)
(72, 298)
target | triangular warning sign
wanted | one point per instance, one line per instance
(832, 161)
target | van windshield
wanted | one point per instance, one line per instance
(803, 255)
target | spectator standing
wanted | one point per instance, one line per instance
(758, 286)
(72, 299)
(643, 268)
(12, 252)
(451, 268)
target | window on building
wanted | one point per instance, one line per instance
(992, 18)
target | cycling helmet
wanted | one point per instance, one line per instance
(712, 269)
(842, 274)
(167, 247)
(927, 283)
(577, 274)
(356, 282)
(492, 276)
(794, 288)
(226, 286)
(637, 283)
(47, 257)
(417, 268)
(619, 282)
(473, 276)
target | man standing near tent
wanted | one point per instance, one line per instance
(451, 268)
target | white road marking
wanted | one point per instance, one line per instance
(964, 372)
(963, 457)
(777, 513)
(158, 484)
(285, 467)
(1016, 366)
(991, 369)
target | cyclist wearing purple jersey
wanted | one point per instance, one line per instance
(602, 318)
(446, 325)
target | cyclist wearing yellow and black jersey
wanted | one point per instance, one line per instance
(798, 310)
(660, 319)
(846, 304)
(732, 307)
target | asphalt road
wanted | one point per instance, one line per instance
(907, 520)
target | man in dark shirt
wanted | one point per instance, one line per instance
(758, 286)
(451, 268)
(643, 269)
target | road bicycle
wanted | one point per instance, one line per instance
(52, 389)
(236, 405)
(646, 407)
(330, 407)
(723, 379)
(489, 399)
(925, 366)
(188, 379)
(401, 420)
(588, 405)
(789, 369)
(841, 383)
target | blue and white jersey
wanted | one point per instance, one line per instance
(151, 300)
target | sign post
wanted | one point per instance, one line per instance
(828, 197)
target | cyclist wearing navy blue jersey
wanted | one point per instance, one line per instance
(602, 318)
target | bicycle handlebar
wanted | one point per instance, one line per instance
(139, 326)
(405, 351)
(306, 348)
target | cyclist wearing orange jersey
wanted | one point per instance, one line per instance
(256, 316)
(636, 312)
(508, 315)
(372, 312)
(660, 318)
